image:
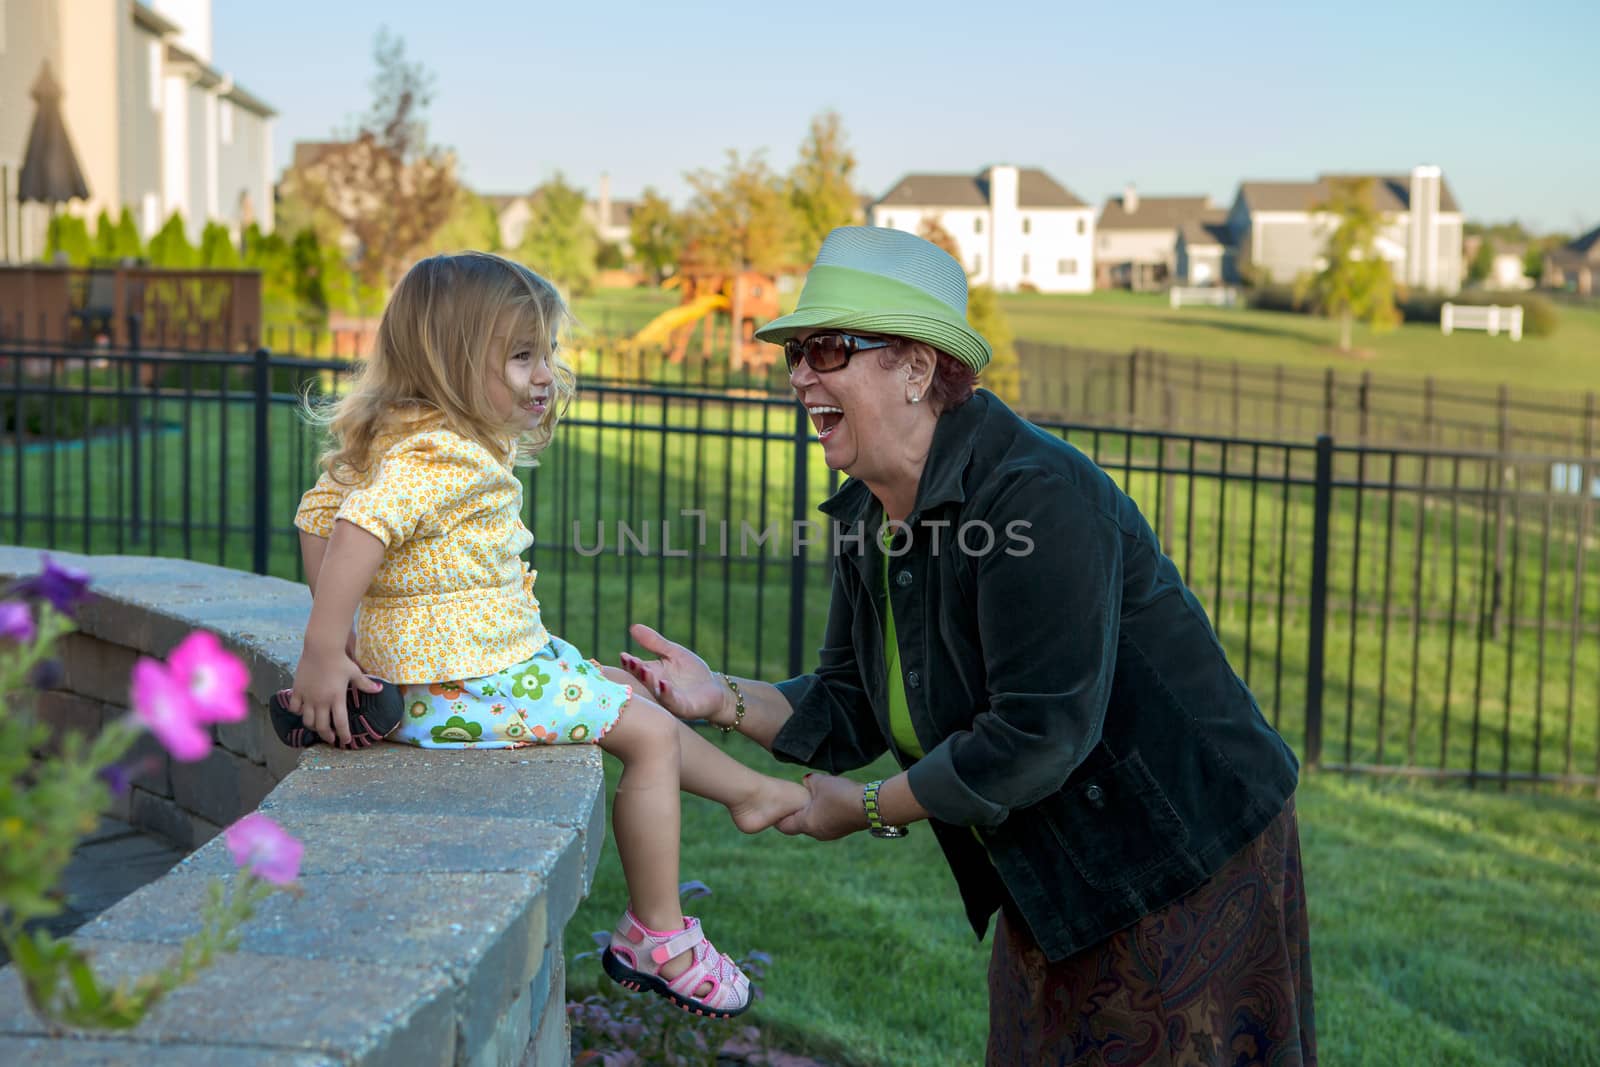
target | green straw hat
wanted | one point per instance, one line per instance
(889, 282)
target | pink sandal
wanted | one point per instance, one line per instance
(637, 952)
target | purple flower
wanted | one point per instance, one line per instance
(266, 849)
(64, 587)
(16, 622)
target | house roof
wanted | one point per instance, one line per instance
(1391, 192)
(1035, 188)
(1587, 245)
(144, 15)
(500, 201)
(1209, 230)
(1152, 213)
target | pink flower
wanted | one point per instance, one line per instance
(162, 703)
(214, 678)
(264, 848)
(16, 622)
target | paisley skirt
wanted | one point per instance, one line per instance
(1219, 977)
(554, 698)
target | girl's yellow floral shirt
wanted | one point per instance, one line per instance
(453, 598)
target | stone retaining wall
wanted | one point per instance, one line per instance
(437, 884)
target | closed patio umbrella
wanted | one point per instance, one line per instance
(50, 173)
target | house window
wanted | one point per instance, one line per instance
(225, 117)
(1027, 224)
(977, 264)
(1067, 266)
(1081, 227)
(154, 49)
(977, 225)
(1024, 265)
(888, 222)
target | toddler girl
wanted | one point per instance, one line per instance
(416, 521)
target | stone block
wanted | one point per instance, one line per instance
(85, 1050)
(360, 843)
(162, 816)
(442, 921)
(342, 1010)
(552, 1036)
(222, 787)
(99, 670)
(64, 711)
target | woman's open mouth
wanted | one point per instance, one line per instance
(826, 418)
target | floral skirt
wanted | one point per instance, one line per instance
(1221, 976)
(555, 698)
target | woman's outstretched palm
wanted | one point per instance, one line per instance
(677, 678)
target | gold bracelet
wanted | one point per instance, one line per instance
(738, 715)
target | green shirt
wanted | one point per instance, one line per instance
(899, 711)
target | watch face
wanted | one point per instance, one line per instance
(889, 831)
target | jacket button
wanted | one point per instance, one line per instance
(1094, 795)
(903, 579)
(913, 679)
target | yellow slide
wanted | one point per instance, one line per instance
(659, 330)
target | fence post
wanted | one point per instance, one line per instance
(1322, 501)
(1327, 401)
(797, 558)
(1133, 388)
(1363, 402)
(135, 450)
(261, 530)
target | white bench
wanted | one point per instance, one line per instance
(1208, 295)
(1491, 317)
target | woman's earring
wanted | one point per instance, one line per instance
(916, 398)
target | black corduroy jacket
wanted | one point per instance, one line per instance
(1073, 703)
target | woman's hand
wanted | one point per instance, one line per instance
(835, 810)
(322, 682)
(678, 679)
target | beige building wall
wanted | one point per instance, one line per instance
(89, 69)
(30, 33)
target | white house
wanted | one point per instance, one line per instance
(1016, 227)
(156, 126)
(1136, 238)
(1278, 233)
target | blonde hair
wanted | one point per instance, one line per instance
(446, 331)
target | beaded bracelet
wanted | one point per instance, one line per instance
(738, 715)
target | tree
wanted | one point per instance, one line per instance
(820, 188)
(470, 226)
(560, 242)
(126, 243)
(387, 187)
(67, 237)
(1482, 264)
(216, 248)
(105, 236)
(656, 234)
(740, 218)
(1356, 281)
(1533, 262)
(170, 246)
(609, 256)
(1003, 375)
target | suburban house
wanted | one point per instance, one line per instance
(1575, 266)
(1201, 252)
(1136, 239)
(1277, 231)
(1015, 227)
(610, 218)
(155, 126)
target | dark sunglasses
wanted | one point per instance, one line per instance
(824, 352)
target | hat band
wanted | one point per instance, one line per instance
(847, 289)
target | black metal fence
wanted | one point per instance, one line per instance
(1150, 389)
(1396, 610)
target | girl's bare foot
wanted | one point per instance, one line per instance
(769, 802)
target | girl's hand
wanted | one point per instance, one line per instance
(835, 810)
(678, 679)
(322, 682)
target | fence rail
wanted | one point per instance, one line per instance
(1396, 609)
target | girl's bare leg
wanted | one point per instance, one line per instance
(755, 800)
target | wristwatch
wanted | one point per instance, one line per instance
(875, 824)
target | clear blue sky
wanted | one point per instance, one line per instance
(1179, 98)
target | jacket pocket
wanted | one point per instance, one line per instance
(1116, 824)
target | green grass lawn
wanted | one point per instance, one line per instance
(1448, 927)
(1566, 361)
